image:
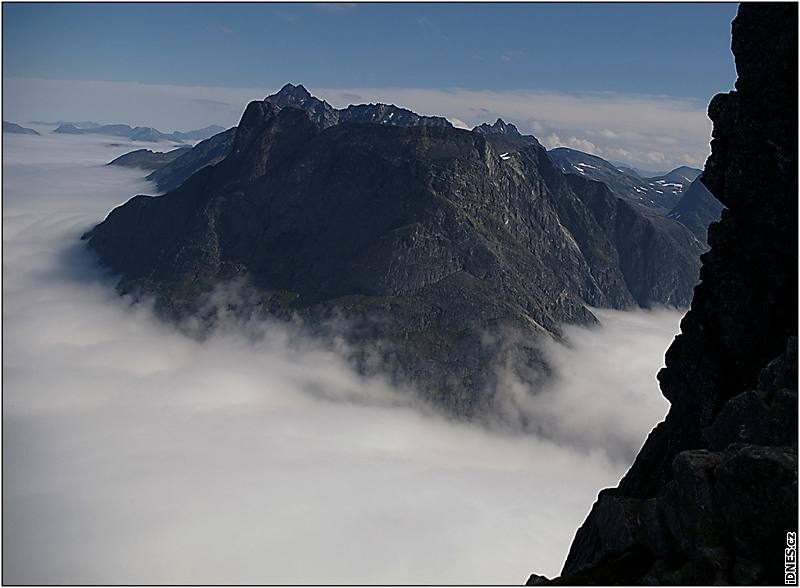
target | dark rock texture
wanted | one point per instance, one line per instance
(147, 159)
(209, 152)
(444, 257)
(713, 491)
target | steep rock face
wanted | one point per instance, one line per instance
(713, 491)
(209, 152)
(433, 247)
(412, 233)
(645, 246)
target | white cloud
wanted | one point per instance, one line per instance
(458, 123)
(133, 454)
(649, 129)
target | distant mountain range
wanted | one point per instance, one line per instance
(9, 127)
(678, 194)
(148, 134)
(435, 245)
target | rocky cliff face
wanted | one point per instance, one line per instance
(208, 152)
(713, 491)
(443, 255)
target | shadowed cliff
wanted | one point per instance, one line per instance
(713, 491)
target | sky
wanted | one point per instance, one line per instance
(640, 73)
(135, 454)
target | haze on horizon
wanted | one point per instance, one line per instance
(628, 82)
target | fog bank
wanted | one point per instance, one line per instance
(134, 454)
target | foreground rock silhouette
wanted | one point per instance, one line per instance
(713, 492)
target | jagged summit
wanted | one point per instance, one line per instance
(325, 115)
(298, 96)
(500, 127)
(505, 136)
(291, 92)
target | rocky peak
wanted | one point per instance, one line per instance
(291, 95)
(500, 127)
(325, 115)
(320, 112)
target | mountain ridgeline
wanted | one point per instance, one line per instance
(713, 492)
(437, 252)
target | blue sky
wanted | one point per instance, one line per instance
(677, 49)
(674, 54)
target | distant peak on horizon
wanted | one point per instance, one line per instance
(500, 127)
(321, 112)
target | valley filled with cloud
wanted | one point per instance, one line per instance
(134, 453)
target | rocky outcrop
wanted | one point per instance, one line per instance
(713, 491)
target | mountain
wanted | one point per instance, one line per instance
(209, 152)
(82, 124)
(659, 193)
(326, 115)
(713, 491)
(148, 134)
(697, 209)
(433, 249)
(9, 127)
(199, 134)
(216, 148)
(505, 137)
(150, 160)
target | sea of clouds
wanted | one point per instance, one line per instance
(133, 453)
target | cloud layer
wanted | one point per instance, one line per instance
(652, 132)
(134, 454)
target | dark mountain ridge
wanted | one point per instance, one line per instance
(435, 249)
(713, 492)
(147, 159)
